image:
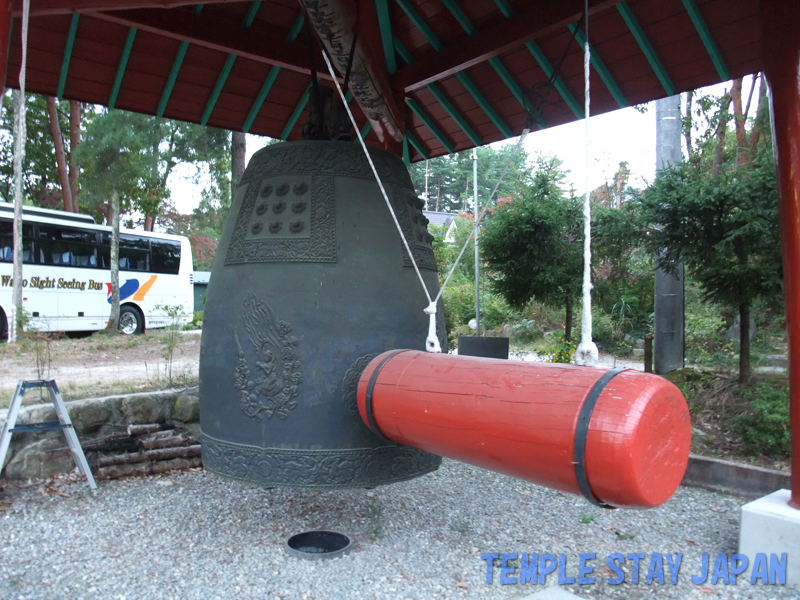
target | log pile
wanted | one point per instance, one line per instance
(142, 450)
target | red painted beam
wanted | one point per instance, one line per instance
(539, 20)
(63, 7)
(780, 22)
(260, 43)
(5, 32)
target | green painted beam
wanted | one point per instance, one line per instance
(271, 76)
(406, 154)
(484, 103)
(513, 86)
(173, 76)
(559, 84)
(364, 131)
(451, 110)
(469, 86)
(505, 8)
(176, 68)
(420, 24)
(467, 25)
(123, 64)
(62, 79)
(223, 77)
(251, 14)
(412, 139)
(402, 51)
(460, 16)
(448, 145)
(600, 67)
(385, 26)
(647, 48)
(297, 27)
(262, 95)
(498, 66)
(298, 110)
(708, 40)
(226, 68)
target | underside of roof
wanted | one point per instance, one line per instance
(463, 73)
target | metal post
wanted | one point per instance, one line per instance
(668, 320)
(477, 253)
(780, 23)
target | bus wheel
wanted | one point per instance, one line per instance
(130, 321)
(3, 326)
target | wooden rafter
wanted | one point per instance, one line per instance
(216, 32)
(67, 7)
(538, 21)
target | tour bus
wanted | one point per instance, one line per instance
(66, 277)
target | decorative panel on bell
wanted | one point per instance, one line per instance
(285, 219)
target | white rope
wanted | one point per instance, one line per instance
(587, 354)
(19, 152)
(483, 212)
(432, 341)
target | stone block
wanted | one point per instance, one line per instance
(89, 415)
(186, 408)
(42, 459)
(140, 409)
(771, 526)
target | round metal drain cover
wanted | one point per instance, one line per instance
(313, 545)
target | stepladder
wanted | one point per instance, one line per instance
(64, 423)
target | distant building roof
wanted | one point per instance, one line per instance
(439, 218)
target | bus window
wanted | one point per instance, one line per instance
(134, 253)
(7, 242)
(166, 256)
(65, 246)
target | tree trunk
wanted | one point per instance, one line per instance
(762, 113)
(687, 126)
(17, 316)
(739, 119)
(568, 322)
(722, 128)
(75, 116)
(113, 319)
(148, 223)
(238, 152)
(438, 194)
(744, 342)
(61, 159)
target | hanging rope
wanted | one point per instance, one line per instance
(19, 151)
(587, 354)
(432, 341)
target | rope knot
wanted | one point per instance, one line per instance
(432, 341)
(586, 354)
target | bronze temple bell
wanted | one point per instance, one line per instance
(311, 281)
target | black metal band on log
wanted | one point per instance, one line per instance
(373, 425)
(583, 429)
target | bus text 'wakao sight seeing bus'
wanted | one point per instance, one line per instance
(66, 283)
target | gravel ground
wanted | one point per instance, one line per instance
(194, 535)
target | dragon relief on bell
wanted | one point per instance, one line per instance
(274, 392)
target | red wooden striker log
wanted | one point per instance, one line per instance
(621, 438)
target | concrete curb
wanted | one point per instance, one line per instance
(733, 478)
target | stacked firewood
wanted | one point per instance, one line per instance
(142, 450)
